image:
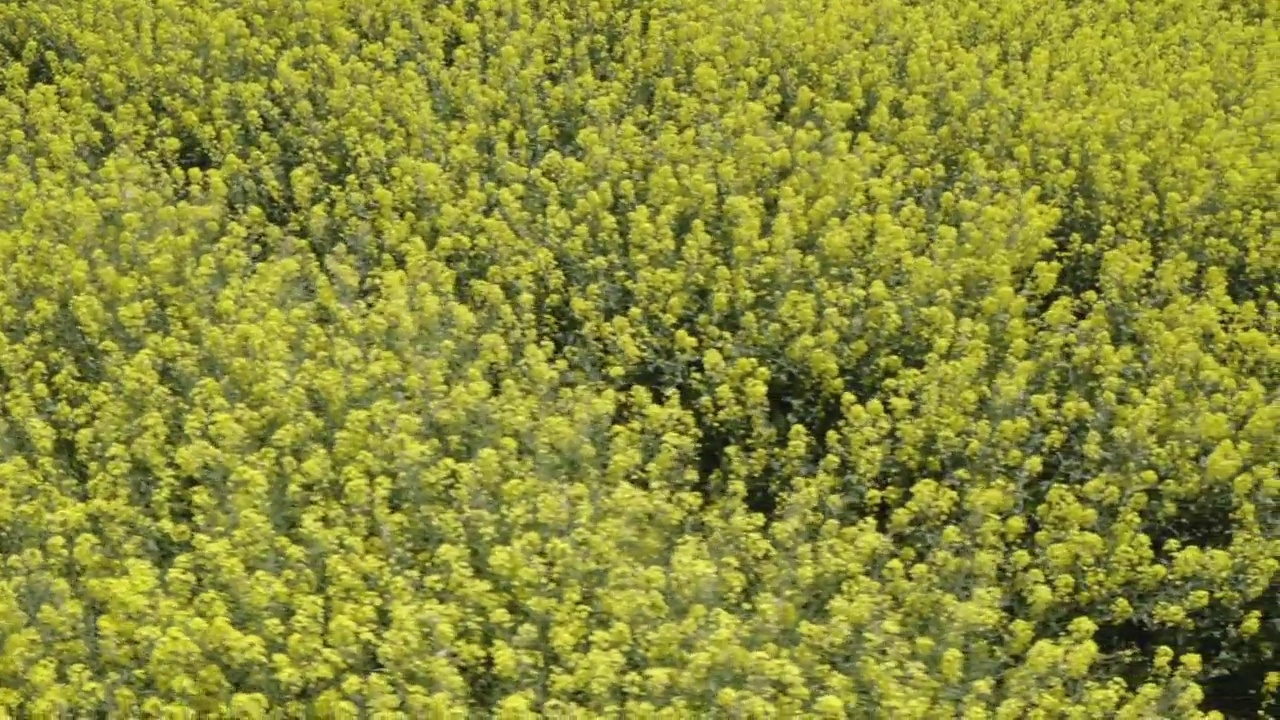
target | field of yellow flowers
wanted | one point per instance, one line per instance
(639, 358)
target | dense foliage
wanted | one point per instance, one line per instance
(761, 358)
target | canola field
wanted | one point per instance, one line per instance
(639, 359)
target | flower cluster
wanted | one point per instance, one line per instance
(654, 359)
